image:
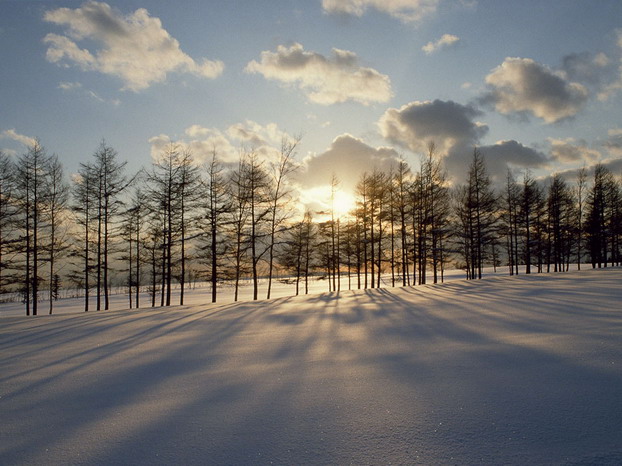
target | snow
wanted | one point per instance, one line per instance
(506, 370)
(200, 292)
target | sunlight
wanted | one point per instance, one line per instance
(318, 200)
(344, 203)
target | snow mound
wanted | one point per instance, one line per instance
(512, 370)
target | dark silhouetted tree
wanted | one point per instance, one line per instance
(8, 214)
(32, 169)
(55, 214)
(217, 207)
(279, 197)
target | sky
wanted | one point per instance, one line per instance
(534, 85)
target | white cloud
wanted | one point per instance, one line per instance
(202, 141)
(255, 134)
(62, 47)
(67, 86)
(570, 150)
(15, 136)
(446, 40)
(523, 86)
(135, 48)
(405, 10)
(326, 81)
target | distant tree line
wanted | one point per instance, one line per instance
(178, 222)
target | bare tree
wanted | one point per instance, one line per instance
(84, 195)
(580, 193)
(259, 210)
(188, 196)
(478, 214)
(8, 213)
(530, 214)
(112, 182)
(279, 197)
(132, 232)
(240, 215)
(378, 208)
(433, 201)
(57, 199)
(401, 201)
(163, 192)
(363, 223)
(510, 219)
(559, 216)
(334, 268)
(297, 252)
(603, 225)
(31, 171)
(217, 206)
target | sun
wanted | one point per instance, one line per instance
(319, 200)
(343, 203)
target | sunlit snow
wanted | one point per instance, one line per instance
(506, 370)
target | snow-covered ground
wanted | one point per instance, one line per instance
(200, 293)
(506, 370)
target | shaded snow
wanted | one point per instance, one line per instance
(200, 293)
(509, 370)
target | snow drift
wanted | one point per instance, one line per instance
(511, 370)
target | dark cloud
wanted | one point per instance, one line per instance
(452, 127)
(499, 157)
(446, 123)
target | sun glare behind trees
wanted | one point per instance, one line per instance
(180, 221)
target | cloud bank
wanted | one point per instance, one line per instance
(455, 132)
(324, 80)
(134, 48)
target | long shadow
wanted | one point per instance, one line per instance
(411, 375)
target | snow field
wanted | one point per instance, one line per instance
(506, 370)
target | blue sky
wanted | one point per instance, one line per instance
(534, 84)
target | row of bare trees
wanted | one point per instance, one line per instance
(177, 222)
(412, 225)
(33, 210)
